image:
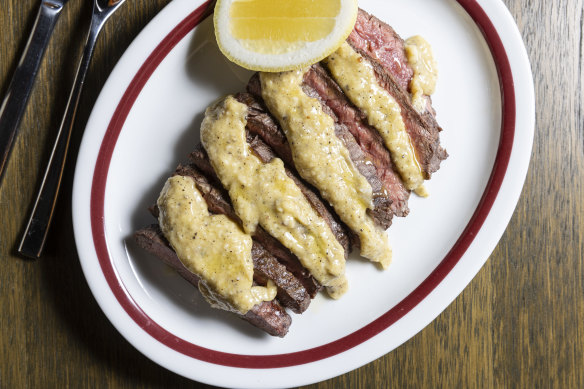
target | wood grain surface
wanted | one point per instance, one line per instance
(519, 324)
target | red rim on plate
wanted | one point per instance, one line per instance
(365, 333)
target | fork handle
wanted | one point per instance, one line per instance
(35, 234)
(18, 92)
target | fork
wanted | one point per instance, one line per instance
(22, 82)
(35, 234)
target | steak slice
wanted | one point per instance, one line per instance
(273, 246)
(384, 49)
(260, 122)
(424, 131)
(275, 137)
(266, 154)
(319, 84)
(269, 316)
(270, 143)
(381, 43)
(291, 293)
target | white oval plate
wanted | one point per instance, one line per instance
(146, 120)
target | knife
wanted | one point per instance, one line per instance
(16, 98)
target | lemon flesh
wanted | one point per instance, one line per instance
(272, 35)
(258, 23)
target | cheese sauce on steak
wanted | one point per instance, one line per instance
(211, 246)
(421, 59)
(321, 158)
(357, 79)
(262, 193)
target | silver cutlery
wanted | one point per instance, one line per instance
(35, 234)
(16, 98)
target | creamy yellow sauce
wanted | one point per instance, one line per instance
(323, 160)
(422, 191)
(357, 79)
(263, 194)
(211, 246)
(421, 59)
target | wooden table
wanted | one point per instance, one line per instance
(520, 323)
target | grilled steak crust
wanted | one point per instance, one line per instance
(291, 292)
(261, 123)
(269, 316)
(285, 257)
(384, 49)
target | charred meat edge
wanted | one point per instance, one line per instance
(269, 316)
(423, 130)
(291, 293)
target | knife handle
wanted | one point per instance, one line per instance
(18, 92)
(37, 229)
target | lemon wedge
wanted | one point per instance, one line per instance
(278, 35)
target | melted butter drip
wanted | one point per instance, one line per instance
(421, 59)
(211, 246)
(322, 159)
(263, 194)
(357, 79)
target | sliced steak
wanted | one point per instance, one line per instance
(266, 154)
(215, 196)
(384, 49)
(260, 122)
(269, 316)
(273, 246)
(319, 84)
(424, 131)
(376, 38)
(291, 292)
(266, 267)
(263, 124)
(275, 137)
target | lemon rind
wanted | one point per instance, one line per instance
(286, 61)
